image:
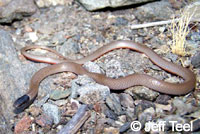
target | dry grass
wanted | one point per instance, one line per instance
(180, 30)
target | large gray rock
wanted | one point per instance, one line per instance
(161, 10)
(16, 9)
(92, 5)
(14, 79)
(8, 58)
(5, 126)
(193, 9)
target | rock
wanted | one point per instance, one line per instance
(195, 36)
(69, 47)
(147, 115)
(142, 105)
(182, 108)
(28, 29)
(161, 109)
(52, 111)
(162, 29)
(93, 5)
(23, 125)
(89, 92)
(113, 69)
(194, 9)
(46, 29)
(144, 92)
(60, 102)
(5, 125)
(81, 80)
(32, 36)
(59, 38)
(196, 125)
(126, 100)
(58, 94)
(160, 10)
(93, 93)
(125, 127)
(177, 4)
(34, 111)
(107, 112)
(4, 2)
(193, 47)
(195, 60)
(163, 99)
(110, 114)
(113, 103)
(111, 130)
(44, 121)
(122, 119)
(196, 114)
(16, 9)
(174, 118)
(47, 3)
(42, 101)
(172, 79)
(93, 67)
(14, 76)
(171, 56)
(120, 21)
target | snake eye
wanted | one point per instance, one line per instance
(21, 101)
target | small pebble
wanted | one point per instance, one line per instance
(42, 101)
(147, 115)
(113, 102)
(111, 130)
(88, 90)
(162, 29)
(195, 60)
(59, 38)
(182, 108)
(114, 69)
(58, 94)
(125, 127)
(196, 125)
(195, 36)
(60, 102)
(44, 121)
(163, 99)
(28, 29)
(110, 114)
(33, 36)
(35, 111)
(52, 111)
(144, 92)
(121, 21)
(23, 125)
(126, 100)
(92, 67)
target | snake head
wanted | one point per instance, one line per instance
(21, 101)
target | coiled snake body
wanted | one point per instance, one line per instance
(63, 64)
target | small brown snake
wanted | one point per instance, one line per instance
(62, 64)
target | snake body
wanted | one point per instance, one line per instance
(63, 64)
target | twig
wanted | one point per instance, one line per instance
(77, 121)
(151, 24)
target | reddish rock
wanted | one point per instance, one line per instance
(44, 121)
(23, 125)
(97, 107)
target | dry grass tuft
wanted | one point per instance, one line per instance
(180, 30)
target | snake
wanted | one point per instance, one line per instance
(63, 64)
